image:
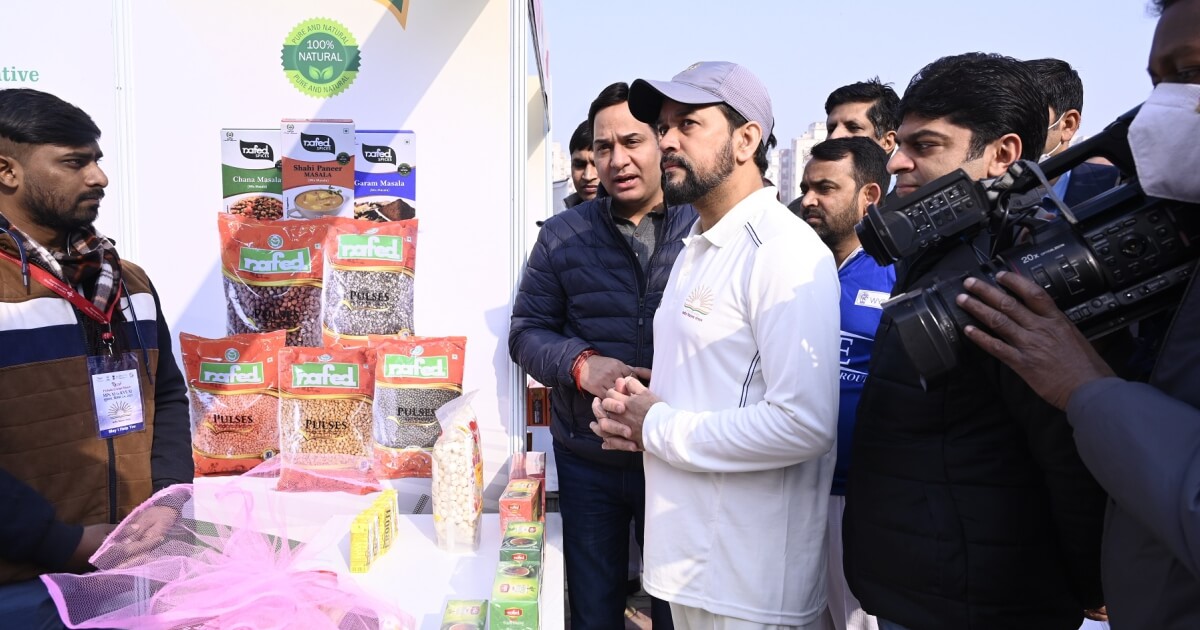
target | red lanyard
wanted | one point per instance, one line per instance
(49, 281)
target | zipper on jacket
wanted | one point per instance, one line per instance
(641, 315)
(112, 482)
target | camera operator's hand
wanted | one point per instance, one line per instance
(1033, 338)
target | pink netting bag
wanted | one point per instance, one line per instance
(164, 569)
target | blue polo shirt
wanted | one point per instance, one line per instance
(865, 286)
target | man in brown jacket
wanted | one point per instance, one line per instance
(93, 408)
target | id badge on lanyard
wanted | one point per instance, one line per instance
(116, 394)
(116, 389)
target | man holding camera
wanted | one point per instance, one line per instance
(1141, 440)
(967, 505)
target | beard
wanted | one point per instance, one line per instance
(58, 212)
(834, 227)
(694, 185)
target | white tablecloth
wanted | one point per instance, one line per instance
(415, 575)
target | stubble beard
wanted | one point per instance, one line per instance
(55, 212)
(695, 186)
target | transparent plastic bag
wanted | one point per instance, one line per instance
(458, 477)
(164, 569)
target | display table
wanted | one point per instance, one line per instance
(415, 575)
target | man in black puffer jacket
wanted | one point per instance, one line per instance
(967, 507)
(584, 318)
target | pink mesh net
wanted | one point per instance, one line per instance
(164, 569)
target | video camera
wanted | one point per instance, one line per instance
(1112, 260)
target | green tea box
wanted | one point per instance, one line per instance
(514, 604)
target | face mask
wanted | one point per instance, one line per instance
(1164, 140)
(1048, 154)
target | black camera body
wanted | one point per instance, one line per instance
(1109, 262)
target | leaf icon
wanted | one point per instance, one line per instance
(327, 73)
(314, 73)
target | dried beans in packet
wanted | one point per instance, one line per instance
(233, 391)
(272, 276)
(325, 420)
(414, 376)
(368, 286)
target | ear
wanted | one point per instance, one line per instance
(746, 141)
(1004, 151)
(868, 195)
(10, 171)
(1070, 125)
(888, 142)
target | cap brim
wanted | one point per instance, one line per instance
(646, 97)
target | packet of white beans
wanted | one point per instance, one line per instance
(458, 478)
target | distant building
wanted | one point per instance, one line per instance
(787, 176)
(773, 167)
(560, 165)
(792, 164)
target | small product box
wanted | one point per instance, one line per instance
(514, 602)
(364, 542)
(537, 404)
(522, 542)
(521, 501)
(465, 614)
(385, 175)
(251, 184)
(318, 168)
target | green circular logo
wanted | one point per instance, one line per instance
(232, 355)
(320, 57)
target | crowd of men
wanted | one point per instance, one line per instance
(726, 380)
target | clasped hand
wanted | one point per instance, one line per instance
(622, 411)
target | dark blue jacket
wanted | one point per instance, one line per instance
(583, 288)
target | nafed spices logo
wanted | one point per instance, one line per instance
(321, 57)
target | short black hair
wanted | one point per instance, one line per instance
(991, 95)
(581, 139)
(1060, 82)
(1158, 6)
(614, 94)
(883, 98)
(33, 117)
(737, 120)
(868, 159)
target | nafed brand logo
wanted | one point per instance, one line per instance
(256, 151)
(379, 155)
(698, 303)
(373, 247)
(274, 261)
(325, 375)
(317, 143)
(232, 355)
(400, 366)
(231, 373)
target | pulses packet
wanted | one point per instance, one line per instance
(233, 391)
(414, 376)
(325, 420)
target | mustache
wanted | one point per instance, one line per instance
(95, 195)
(675, 161)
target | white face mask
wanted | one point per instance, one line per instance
(1165, 140)
(1047, 155)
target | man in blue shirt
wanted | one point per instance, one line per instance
(843, 178)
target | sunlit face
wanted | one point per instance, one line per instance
(830, 200)
(849, 120)
(583, 174)
(928, 149)
(697, 150)
(626, 156)
(62, 186)
(1175, 51)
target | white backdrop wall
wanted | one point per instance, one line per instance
(175, 72)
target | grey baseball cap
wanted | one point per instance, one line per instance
(706, 83)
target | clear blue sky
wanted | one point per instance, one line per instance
(802, 50)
